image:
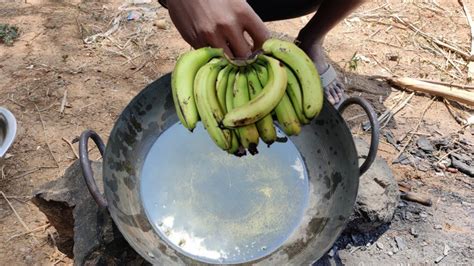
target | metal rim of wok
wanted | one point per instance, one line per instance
(331, 162)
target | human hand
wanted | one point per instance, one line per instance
(220, 24)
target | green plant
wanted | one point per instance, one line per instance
(8, 34)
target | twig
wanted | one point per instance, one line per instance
(45, 226)
(447, 154)
(18, 216)
(17, 103)
(63, 102)
(415, 197)
(72, 147)
(45, 137)
(460, 120)
(382, 66)
(29, 172)
(470, 65)
(464, 54)
(408, 195)
(415, 129)
(398, 108)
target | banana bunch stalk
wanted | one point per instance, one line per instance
(238, 101)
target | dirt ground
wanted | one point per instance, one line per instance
(57, 86)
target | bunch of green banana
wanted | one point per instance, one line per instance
(237, 101)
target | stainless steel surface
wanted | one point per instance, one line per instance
(219, 208)
(326, 147)
(8, 128)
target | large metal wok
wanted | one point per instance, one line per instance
(326, 146)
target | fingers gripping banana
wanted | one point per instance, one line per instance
(207, 104)
(304, 69)
(182, 83)
(265, 126)
(294, 92)
(248, 134)
(265, 102)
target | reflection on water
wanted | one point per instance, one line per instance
(218, 208)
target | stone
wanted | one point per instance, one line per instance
(379, 245)
(88, 233)
(378, 195)
(464, 168)
(414, 232)
(424, 144)
(400, 243)
(446, 250)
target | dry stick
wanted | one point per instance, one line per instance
(447, 154)
(63, 102)
(459, 119)
(448, 59)
(72, 147)
(464, 87)
(398, 108)
(30, 231)
(449, 93)
(18, 216)
(470, 65)
(464, 54)
(415, 129)
(45, 137)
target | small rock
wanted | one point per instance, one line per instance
(378, 195)
(161, 24)
(379, 245)
(414, 232)
(467, 169)
(438, 227)
(446, 250)
(452, 170)
(392, 57)
(331, 253)
(462, 157)
(400, 243)
(390, 253)
(424, 144)
(439, 259)
(423, 214)
(395, 250)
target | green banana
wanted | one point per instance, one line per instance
(221, 86)
(265, 126)
(287, 118)
(248, 134)
(265, 102)
(304, 69)
(234, 147)
(229, 94)
(262, 73)
(182, 83)
(294, 92)
(207, 104)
